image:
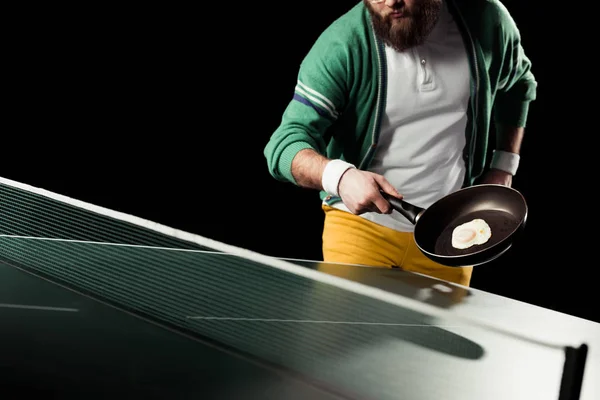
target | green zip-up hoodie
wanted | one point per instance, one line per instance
(340, 95)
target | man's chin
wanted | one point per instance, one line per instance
(401, 40)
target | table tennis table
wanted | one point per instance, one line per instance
(97, 304)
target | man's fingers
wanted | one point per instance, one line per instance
(387, 187)
(380, 201)
(382, 205)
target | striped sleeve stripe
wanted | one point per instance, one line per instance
(315, 99)
(322, 112)
(316, 94)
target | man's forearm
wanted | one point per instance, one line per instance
(506, 155)
(307, 169)
(509, 138)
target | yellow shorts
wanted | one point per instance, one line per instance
(349, 238)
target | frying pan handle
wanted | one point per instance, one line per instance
(410, 211)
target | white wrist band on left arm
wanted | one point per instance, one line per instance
(332, 174)
(505, 161)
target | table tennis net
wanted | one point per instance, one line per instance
(279, 312)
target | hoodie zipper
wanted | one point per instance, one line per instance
(475, 102)
(378, 107)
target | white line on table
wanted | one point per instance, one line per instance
(40, 308)
(303, 321)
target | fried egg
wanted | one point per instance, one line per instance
(471, 233)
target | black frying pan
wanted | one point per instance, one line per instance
(502, 207)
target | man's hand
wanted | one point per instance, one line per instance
(497, 177)
(360, 192)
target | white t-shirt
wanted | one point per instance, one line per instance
(420, 148)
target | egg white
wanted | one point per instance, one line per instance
(474, 232)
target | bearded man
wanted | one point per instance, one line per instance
(414, 98)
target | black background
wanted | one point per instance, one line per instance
(164, 114)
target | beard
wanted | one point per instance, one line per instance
(412, 29)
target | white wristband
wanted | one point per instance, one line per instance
(332, 174)
(505, 161)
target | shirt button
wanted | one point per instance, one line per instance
(423, 61)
